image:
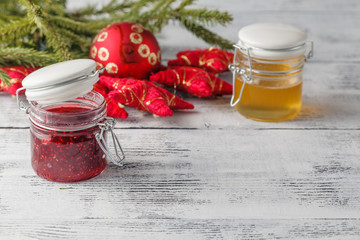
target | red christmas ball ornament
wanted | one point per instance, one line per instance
(126, 49)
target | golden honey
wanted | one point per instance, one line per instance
(269, 104)
(269, 96)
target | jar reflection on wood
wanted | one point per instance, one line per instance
(272, 75)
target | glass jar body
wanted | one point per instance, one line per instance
(63, 143)
(274, 92)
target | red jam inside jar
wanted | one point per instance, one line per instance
(63, 143)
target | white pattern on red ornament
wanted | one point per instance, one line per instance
(152, 58)
(144, 50)
(111, 68)
(99, 65)
(135, 38)
(102, 36)
(159, 56)
(103, 54)
(93, 52)
(137, 28)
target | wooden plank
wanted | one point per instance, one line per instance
(331, 100)
(258, 6)
(307, 182)
(318, 170)
(165, 228)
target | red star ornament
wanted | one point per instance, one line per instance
(144, 96)
(195, 81)
(126, 49)
(113, 109)
(98, 87)
(213, 60)
(16, 74)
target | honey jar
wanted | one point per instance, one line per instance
(68, 122)
(268, 71)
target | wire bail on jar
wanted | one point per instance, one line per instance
(247, 72)
(108, 125)
(21, 104)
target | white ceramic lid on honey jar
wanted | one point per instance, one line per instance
(272, 40)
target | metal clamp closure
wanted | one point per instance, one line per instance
(119, 155)
(21, 104)
(311, 52)
(236, 70)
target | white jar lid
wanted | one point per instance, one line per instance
(61, 81)
(272, 40)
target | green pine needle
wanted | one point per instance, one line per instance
(184, 4)
(206, 35)
(25, 56)
(206, 17)
(16, 30)
(4, 78)
(73, 25)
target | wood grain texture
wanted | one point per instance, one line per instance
(331, 100)
(211, 173)
(194, 182)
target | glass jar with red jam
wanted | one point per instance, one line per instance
(63, 143)
(68, 122)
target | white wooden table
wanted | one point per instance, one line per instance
(211, 173)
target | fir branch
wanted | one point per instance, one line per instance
(97, 25)
(4, 78)
(25, 57)
(113, 7)
(53, 38)
(110, 8)
(75, 26)
(134, 13)
(78, 53)
(56, 9)
(184, 4)
(11, 9)
(74, 39)
(206, 35)
(163, 13)
(16, 30)
(162, 4)
(204, 16)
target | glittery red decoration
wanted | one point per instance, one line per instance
(16, 74)
(213, 60)
(143, 95)
(126, 49)
(193, 80)
(98, 87)
(113, 109)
